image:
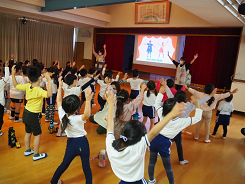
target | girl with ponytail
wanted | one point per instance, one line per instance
(77, 143)
(207, 107)
(148, 108)
(127, 153)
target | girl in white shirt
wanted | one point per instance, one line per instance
(127, 154)
(148, 108)
(77, 143)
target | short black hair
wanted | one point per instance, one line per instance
(70, 79)
(26, 62)
(109, 75)
(34, 62)
(18, 66)
(183, 58)
(229, 98)
(109, 71)
(40, 66)
(83, 72)
(74, 70)
(168, 106)
(91, 71)
(180, 96)
(24, 70)
(33, 73)
(136, 73)
(170, 83)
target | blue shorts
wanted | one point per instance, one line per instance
(134, 94)
(16, 100)
(223, 119)
(142, 181)
(52, 100)
(161, 145)
(148, 111)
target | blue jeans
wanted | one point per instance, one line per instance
(75, 147)
(166, 164)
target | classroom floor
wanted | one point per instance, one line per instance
(219, 162)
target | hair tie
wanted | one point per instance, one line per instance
(124, 138)
(120, 97)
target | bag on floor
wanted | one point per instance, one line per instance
(102, 158)
(11, 137)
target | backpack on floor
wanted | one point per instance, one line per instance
(11, 137)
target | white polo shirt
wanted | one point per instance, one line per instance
(128, 164)
(135, 83)
(149, 101)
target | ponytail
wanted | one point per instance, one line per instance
(148, 93)
(65, 121)
(119, 108)
(210, 101)
(155, 92)
(117, 144)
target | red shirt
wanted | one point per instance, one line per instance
(165, 97)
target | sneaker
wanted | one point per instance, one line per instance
(1, 133)
(55, 123)
(27, 153)
(212, 135)
(11, 117)
(183, 162)
(60, 182)
(207, 141)
(195, 138)
(8, 111)
(41, 156)
(223, 137)
(56, 108)
(17, 121)
(152, 181)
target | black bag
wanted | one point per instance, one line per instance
(11, 137)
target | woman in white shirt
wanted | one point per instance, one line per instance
(77, 143)
(127, 154)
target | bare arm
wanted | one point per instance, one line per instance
(105, 50)
(170, 57)
(49, 90)
(13, 76)
(110, 100)
(59, 95)
(87, 110)
(195, 57)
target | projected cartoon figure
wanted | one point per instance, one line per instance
(149, 48)
(161, 50)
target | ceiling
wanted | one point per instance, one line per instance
(209, 10)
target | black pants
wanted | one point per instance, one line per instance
(100, 129)
(178, 87)
(178, 139)
(1, 116)
(216, 128)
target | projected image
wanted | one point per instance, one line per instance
(156, 48)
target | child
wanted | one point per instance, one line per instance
(135, 83)
(162, 142)
(34, 97)
(170, 84)
(103, 85)
(224, 114)
(148, 108)
(127, 153)
(2, 100)
(77, 143)
(50, 109)
(16, 95)
(207, 107)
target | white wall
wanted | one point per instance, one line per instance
(240, 66)
(88, 41)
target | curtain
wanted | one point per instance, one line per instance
(216, 61)
(43, 41)
(128, 52)
(115, 51)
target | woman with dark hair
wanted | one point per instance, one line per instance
(100, 59)
(207, 107)
(180, 78)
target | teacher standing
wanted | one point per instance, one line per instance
(180, 78)
(100, 59)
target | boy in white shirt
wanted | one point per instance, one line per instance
(16, 96)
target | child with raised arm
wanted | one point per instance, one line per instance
(127, 154)
(207, 107)
(162, 142)
(34, 97)
(2, 100)
(77, 143)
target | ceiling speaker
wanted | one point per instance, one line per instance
(241, 8)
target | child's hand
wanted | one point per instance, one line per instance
(234, 91)
(163, 82)
(13, 70)
(213, 92)
(119, 73)
(95, 72)
(105, 66)
(194, 100)
(125, 76)
(143, 87)
(89, 95)
(195, 56)
(96, 76)
(110, 97)
(47, 76)
(162, 89)
(74, 63)
(7, 63)
(178, 109)
(104, 46)
(60, 81)
(83, 66)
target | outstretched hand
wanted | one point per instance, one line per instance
(89, 95)
(143, 87)
(178, 109)
(60, 81)
(110, 97)
(234, 91)
(195, 56)
(125, 76)
(13, 70)
(7, 63)
(162, 89)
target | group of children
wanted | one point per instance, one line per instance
(127, 138)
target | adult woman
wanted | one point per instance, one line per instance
(100, 58)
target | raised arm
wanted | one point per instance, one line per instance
(176, 111)
(110, 98)
(195, 57)
(170, 57)
(49, 90)
(15, 83)
(95, 54)
(89, 82)
(87, 110)
(6, 70)
(59, 94)
(103, 70)
(104, 50)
